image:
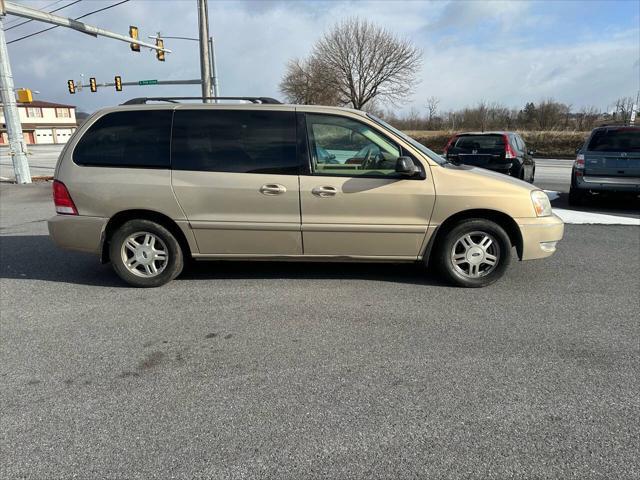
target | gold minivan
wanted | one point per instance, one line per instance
(145, 185)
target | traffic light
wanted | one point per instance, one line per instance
(133, 33)
(24, 95)
(93, 85)
(118, 82)
(71, 86)
(160, 53)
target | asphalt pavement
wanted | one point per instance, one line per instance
(286, 370)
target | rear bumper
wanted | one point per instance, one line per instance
(76, 232)
(606, 184)
(539, 236)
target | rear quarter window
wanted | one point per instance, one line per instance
(135, 139)
(615, 140)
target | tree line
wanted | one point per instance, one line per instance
(361, 65)
(547, 114)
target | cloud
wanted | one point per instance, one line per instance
(461, 15)
(580, 74)
(472, 50)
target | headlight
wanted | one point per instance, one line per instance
(541, 203)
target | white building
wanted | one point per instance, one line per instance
(43, 122)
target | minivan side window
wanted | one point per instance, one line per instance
(134, 139)
(346, 147)
(240, 141)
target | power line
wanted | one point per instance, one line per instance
(77, 18)
(52, 11)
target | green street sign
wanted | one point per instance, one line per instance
(147, 82)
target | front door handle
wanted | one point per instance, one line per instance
(324, 191)
(272, 189)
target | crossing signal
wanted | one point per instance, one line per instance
(160, 53)
(93, 85)
(118, 82)
(133, 33)
(71, 86)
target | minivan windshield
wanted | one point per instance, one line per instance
(429, 153)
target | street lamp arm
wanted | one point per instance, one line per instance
(174, 38)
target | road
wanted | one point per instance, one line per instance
(267, 370)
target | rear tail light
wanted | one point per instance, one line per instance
(508, 151)
(579, 164)
(62, 200)
(449, 143)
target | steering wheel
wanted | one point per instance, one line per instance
(366, 160)
(370, 161)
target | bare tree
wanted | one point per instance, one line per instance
(306, 82)
(358, 62)
(550, 113)
(432, 107)
(586, 118)
(623, 108)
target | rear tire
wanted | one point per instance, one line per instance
(576, 197)
(474, 253)
(145, 254)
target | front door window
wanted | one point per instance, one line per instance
(346, 147)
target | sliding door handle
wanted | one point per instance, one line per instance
(272, 189)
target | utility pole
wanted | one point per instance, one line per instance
(205, 59)
(17, 145)
(214, 70)
(212, 61)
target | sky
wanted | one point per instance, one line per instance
(581, 53)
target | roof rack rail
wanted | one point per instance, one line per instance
(144, 100)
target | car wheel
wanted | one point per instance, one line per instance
(145, 254)
(474, 253)
(576, 197)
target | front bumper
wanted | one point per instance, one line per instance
(77, 232)
(539, 236)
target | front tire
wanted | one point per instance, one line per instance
(145, 254)
(474, 253)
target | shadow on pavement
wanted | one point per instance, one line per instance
(623, 205)
(407, 273)
(36, 257)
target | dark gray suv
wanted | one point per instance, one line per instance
(609, 161)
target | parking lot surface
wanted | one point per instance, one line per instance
(285, 370)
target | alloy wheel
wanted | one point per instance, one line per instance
(144, 254)
(475, 254)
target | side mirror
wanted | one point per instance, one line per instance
(406, 167)
(532, 152)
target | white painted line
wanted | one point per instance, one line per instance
(586, 218)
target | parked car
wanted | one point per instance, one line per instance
(145, 186)
(503, 152)
(608, 162)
